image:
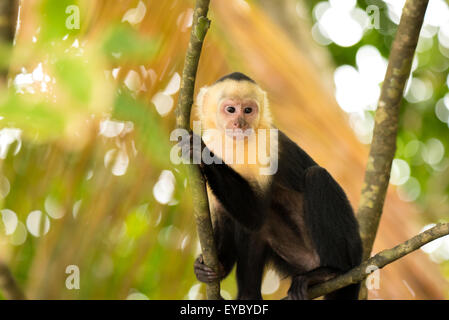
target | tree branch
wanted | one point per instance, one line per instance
(383, 146)
(197, 183)
(379, 260)
(8, 17)
(8, 21)
(8, 284)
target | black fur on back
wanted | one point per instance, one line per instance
(237, 76)
(331, 221)
(328, 213)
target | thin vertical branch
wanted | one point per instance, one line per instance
(8, 17)
(8, 22)
(383, 146)
(201, 205)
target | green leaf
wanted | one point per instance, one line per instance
(74, 75)
(57, 19)
(37, 120)
(5, 56)
(151, 137)
(137, 222)
(123, 43)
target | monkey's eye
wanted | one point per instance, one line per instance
(248, 110)
(230, 109)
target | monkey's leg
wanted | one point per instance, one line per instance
(298, 288)
(251, 260)
(204, 273)
(301, 283)
(224, 240)
(331, 221)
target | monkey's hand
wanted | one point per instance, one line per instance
(206, 274)
(191, 146)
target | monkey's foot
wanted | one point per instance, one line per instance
(204, 273)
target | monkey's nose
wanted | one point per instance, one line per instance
(239, 125)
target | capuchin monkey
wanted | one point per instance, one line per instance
(297, 217)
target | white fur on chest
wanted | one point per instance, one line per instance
(241, 155)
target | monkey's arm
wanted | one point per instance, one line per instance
(236, 195)
(224, 234)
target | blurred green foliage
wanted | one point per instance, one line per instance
(123, 44)
(34, 118)
(54, 15)
(419, 128)
(74, 75)
(101, 210)
(418, 120)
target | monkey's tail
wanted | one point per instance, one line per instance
(350, 292)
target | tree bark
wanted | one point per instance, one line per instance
(8, 18)
(383, 146)
(200, 201)
(8, 21)
(380, 260)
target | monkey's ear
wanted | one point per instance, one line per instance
(200, 97)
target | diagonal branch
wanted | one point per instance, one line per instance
(197, 183)
(8, 285)
(380, 260)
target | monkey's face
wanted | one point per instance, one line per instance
(237, 116)
(236, 109)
